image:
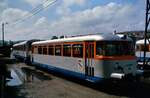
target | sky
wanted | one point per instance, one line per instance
(70, 17)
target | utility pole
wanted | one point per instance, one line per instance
(3, 33)
(147, 21)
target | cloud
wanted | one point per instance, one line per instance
(41, 21)
(68, 3)
(65, 7)
(99, 19)
(3, 6)
(34, 3)
(104, 18)
(11, 15)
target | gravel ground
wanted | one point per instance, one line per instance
(47, 85)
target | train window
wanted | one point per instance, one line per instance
(138, 48)
(18, 48)
(58, 50)
(77, 50)
(90, 50)
(143, 48)
(34, 50)
(39, 50)
(51, 50)
(114, 48)
(23, 48)
(67, 50)
(100, 49)
(45, 50)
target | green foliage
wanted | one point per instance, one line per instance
(54, 37)
(62, 36)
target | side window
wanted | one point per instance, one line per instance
(51, 50)
(58, 50)
(90, 51)
(18, 47)
(45, 50)
(137, 48)
(77, 50)
(24, 48)
(100, 49)
(34, 49)
(67, 50)
(39, 50)
(142, 48)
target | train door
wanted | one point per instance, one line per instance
(89, 55)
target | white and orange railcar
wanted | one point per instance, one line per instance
(90, 57)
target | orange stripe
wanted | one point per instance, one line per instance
(116, 57)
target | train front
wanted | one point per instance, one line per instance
(117, 59)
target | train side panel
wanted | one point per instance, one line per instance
(19, 54)
(114, 66)
(140, 54)
(102, 68)
(67, 65)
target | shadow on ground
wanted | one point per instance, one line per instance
(14, 92)
(118, 88)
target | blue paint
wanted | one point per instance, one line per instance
(68, 72)
(142, 58)
(19, 57)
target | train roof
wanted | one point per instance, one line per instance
(142, 41)
(21, 43)
(25, 42)
(97, 37)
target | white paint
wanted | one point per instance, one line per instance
(104, 37)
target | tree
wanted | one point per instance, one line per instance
(62, 36)
(54, 37)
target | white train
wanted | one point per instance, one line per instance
(22, 50)
(140, 51)
(89, 57)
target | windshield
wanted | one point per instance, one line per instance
(114, 48)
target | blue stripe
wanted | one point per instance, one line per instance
(19, 57)
(69, 73)
(142, 58)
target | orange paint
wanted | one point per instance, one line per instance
(115, 57)
(127, 57)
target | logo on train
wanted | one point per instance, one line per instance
(80, 65)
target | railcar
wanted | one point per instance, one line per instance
(140, 51)
(22, 50)
(90, 57)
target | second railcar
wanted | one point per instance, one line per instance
(22, 50)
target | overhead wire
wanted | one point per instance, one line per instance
(34, 11)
